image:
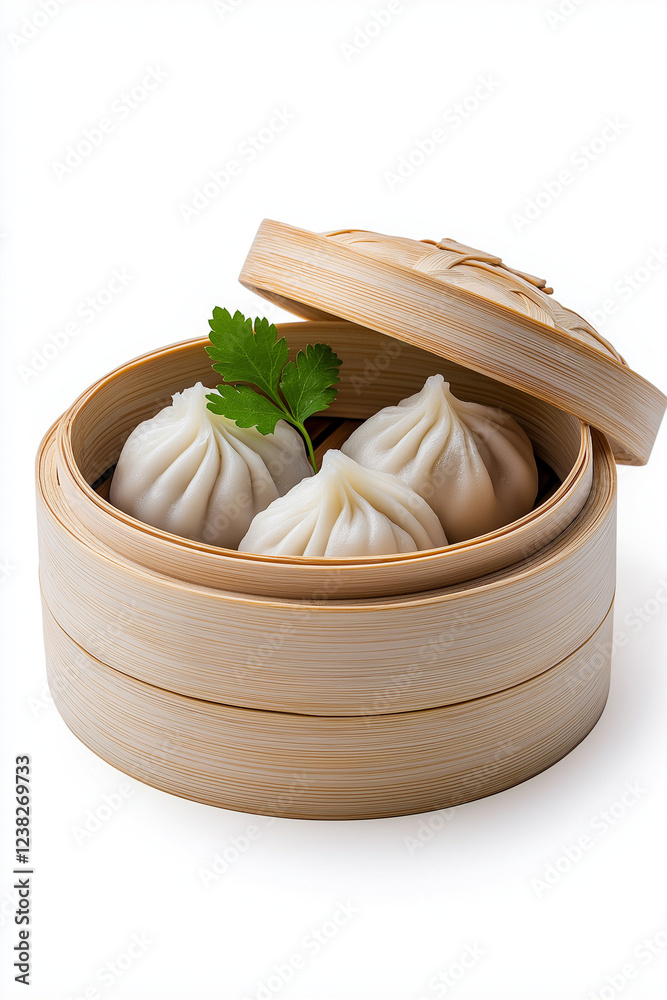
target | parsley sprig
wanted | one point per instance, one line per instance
(262, 386)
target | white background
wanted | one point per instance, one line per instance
(357, 109)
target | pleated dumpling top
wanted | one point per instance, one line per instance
(473, 464)
(198, 474)
(345, 510)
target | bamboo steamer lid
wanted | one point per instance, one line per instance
(464, 305)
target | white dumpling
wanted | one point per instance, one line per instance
(345, 510)
(473, 464)
(198, 474)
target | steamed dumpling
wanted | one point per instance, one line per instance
(473, 464)
(198, 474)
(345, 510)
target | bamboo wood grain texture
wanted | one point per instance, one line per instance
(333, 656)
(462, 304)
(328, 768)
(92, 432)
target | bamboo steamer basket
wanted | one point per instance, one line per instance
(303, 766)
(344, 688)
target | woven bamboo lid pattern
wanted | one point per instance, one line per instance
(464, 305)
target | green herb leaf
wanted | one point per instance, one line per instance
(289, 391)
(241, 356)
(308, 383)
(246, 407)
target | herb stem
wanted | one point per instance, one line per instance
(306, 437)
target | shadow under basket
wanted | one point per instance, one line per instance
(326, 688)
